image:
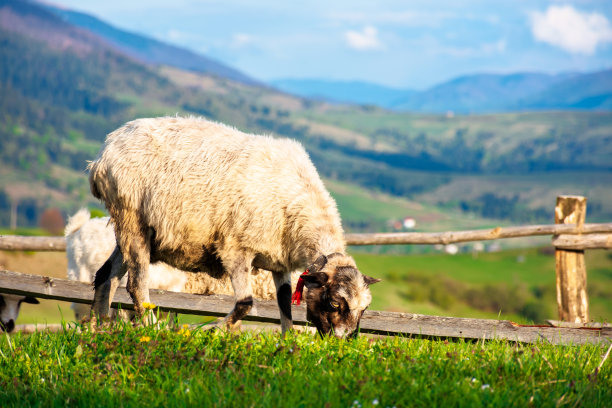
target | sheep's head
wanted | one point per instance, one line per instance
(9, 310)
(338, 294)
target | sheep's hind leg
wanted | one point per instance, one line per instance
(283, 297)
(240, 274)
(106, 282)
(136, 251)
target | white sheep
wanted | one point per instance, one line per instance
(203, 196)
(90, 242)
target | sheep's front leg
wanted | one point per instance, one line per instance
(283, 297)
(240, 274)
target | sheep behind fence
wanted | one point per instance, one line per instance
(569, 239)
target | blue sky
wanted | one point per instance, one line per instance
(407, 44)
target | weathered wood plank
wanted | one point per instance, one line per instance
(79, 292)
(559, 323)
(437, 326)
(571, 274)
(582, 242)
(22, 243)
(267, 311)
(474, 235)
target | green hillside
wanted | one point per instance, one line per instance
(62, 90)
(518, 285)
(499, 143)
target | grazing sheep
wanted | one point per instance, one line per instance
(202, 196)
(9, 309)
(91, 241)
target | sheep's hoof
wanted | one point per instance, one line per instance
(235, 327)
(87, 322)
(213, 326)
(222, 325)
(97, 323)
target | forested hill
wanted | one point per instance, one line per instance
(63, 88)
(149, 50)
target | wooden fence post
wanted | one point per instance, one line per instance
(570, 266)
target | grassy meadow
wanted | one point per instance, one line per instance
(517, 284)
(144, 366)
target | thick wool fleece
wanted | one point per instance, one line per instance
(205, 188)
(89, 243)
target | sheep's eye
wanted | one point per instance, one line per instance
(334, 305)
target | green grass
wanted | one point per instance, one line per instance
(27, 231)
(359, 206)
(144, 366)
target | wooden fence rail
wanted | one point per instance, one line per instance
(589, 236)
(444, 238)
(267, 311)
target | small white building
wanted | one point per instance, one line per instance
(451, 249)
(409, 223)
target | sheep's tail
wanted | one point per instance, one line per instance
(93, 169)
(76, 221)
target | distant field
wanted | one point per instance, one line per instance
(509, 284)
(535, 190)
(364, 210)
(505, 130)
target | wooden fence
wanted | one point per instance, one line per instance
(267, 311)
(571, 236)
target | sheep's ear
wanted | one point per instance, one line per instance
(318, 264)
(370, 280)
(315, 279)
(30, 299)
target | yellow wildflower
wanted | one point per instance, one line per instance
(148, 305)
(145, 339)
(184, 331)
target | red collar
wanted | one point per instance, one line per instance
(299, 289)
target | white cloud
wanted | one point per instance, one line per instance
(570, 29)
(367, 39)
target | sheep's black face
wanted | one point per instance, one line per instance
(9, 310)
(338, 294)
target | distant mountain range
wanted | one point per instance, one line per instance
(356, 92)
(479, 93)
(149, 50)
